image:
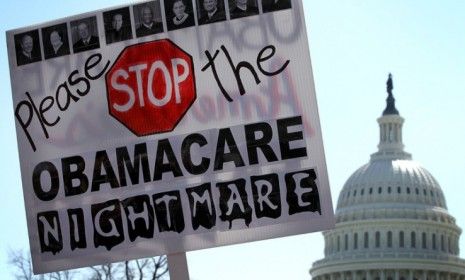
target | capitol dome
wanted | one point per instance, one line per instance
(392, 221)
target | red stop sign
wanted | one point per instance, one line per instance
(151, 86)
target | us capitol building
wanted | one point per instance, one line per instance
(392, 221)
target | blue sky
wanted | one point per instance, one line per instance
(353, 45)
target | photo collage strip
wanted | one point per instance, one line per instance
(136, 21)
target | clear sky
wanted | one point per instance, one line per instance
(354, 45)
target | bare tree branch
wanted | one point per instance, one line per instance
(97, 275)
(21, 264)
(139, 267)
(142, 269)
(127, 270)
(160, 267)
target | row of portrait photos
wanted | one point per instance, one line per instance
(118, 23)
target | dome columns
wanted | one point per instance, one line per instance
(390, 138)
(390, 274)
(390, 128)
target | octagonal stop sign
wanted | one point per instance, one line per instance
(151, 86)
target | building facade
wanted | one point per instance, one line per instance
(392, 221)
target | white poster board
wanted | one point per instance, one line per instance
(153, 129)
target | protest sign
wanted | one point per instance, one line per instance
(166, 126)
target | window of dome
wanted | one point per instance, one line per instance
(417, 191)
(362, 192)
(346, 242)
(423, 240)
(389, 189)
(399, 190)
(389, 239)
(413, 239)
(380, 190)
(377, 239)
(366, 240)
(355, 241)
(408, 190)
(424, 192)
(401, 239)
(431, 192)
(443, 248)
(434, 241)
(371, 190)
(449, 243)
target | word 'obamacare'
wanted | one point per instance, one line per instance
(208, 151)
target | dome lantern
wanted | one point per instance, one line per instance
(390, 127)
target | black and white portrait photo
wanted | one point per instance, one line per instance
(275, 5)
(242, 8)
(55, 41)
(84, 33)
(27, 47)
(210, 11)
(117, 25)
(179, 14)
(147, 18)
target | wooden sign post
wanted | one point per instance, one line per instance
(177, 266)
